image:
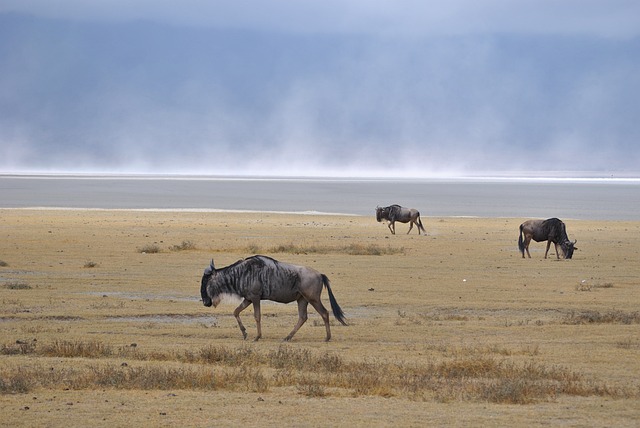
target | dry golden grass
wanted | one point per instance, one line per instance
(454, 328)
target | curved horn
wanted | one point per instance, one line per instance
(209, 269)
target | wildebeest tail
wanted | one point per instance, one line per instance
(337, 310)
(420, 224)
(521, 242)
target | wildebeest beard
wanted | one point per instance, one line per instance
(567, 248)
(206, 300)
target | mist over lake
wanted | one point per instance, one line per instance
(527, 198)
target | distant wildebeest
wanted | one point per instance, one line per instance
(262, 278)
(550, 230)
(395, 213)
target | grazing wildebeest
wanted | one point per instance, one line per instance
(262, 278)
(395, 213)
(550, 230)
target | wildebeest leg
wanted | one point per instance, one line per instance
(256, 315)
(317, 304)
(302, 317)
(557, 253)
(392, 227)
(548, 245)
(411, 227)
(527, 241)
(245, 303)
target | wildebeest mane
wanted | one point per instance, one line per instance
(394, 211)
(389, 213)
(555, 229)
(209, 271)
(236, 277)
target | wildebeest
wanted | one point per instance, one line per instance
(395, 212)
(262, 278)
(550, 230)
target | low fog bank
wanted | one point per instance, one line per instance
(149, 98)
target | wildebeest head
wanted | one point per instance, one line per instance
(568, 248)
(380, 213)
(208, 272)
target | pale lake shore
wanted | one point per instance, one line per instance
(579, 199)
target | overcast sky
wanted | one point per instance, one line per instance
(349, 87)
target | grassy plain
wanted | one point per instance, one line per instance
(101, 323)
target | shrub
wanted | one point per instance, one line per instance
(68, 349)
(185, 245)
(596, 317)
(149, 249)
(17, 286)
(350, 249)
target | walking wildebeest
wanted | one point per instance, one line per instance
(550, 230)
(395, 213)
(262, 278)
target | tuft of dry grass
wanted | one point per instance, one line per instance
(586, 286)
(470, 378)
(597, 317)
(628, 343)
(15, 382)
(17, 285)
(371, 250)
(20, 347)
(353, 249)
(311, 388)
(76, 349)
(183, 246)
(149, 249)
